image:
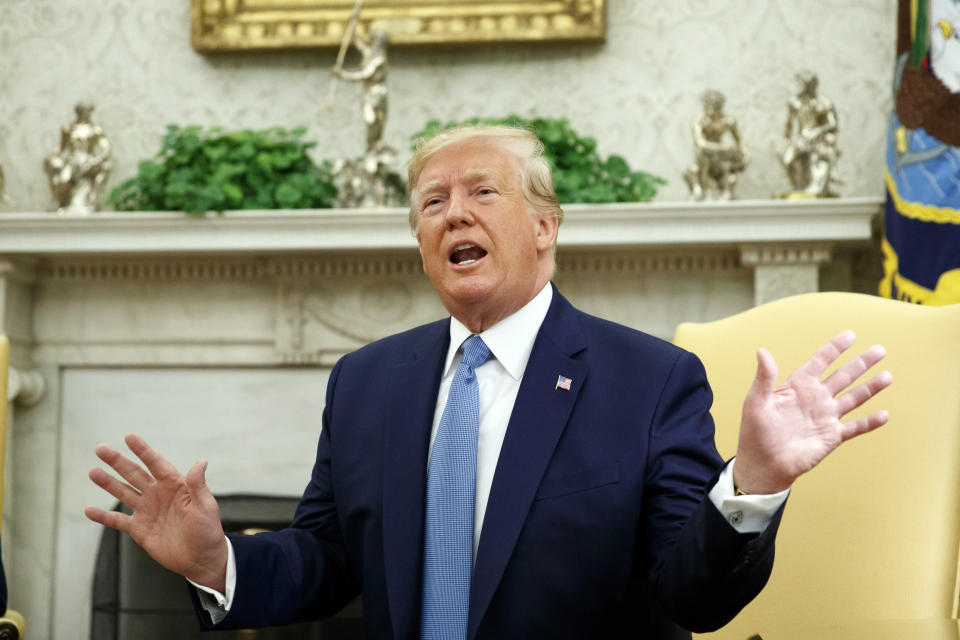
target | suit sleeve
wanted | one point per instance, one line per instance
(3, 590)
(301, 572)
(702, 571)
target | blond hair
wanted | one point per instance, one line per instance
(535, 176)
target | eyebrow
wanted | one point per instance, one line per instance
(433, 185)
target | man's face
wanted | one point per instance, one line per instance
(485, 253)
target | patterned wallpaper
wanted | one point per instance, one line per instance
(637, 93)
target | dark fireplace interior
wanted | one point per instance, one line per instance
(134, 598)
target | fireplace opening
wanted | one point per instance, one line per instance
(134, 598)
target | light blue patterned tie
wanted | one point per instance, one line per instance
(451, 487)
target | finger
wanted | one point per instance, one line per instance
(119, 490)
(197, 485)
(157, 464)
(128, 469)
(112, 519)
(848, 373)
(766, 378)
(859, 426)
(861, 393)
(828, 353)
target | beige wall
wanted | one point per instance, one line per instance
(637, 93)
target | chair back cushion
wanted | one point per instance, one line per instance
(873, 532)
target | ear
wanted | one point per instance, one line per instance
(546, 227)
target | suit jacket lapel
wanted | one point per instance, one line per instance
(404, 477)
(539, 416)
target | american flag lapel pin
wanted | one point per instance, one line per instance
(563, 382)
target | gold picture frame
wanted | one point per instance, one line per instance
(240, 25)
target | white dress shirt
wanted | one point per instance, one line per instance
(498, 380)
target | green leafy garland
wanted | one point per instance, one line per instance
(579, 173)
(198, 171)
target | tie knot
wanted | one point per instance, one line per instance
(475, 352)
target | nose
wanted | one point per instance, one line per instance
(459, 210)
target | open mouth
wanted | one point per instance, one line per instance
(466, 253)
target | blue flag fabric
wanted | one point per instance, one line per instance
(921, 249)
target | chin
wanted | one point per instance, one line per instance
(468, 291)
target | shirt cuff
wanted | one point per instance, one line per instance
(746, 513)
(213, 602)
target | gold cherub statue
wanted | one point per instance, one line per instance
(79, 167)
(719, 154)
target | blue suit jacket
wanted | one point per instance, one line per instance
(597, 523)
(3, 590)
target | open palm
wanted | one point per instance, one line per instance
(175, 518)
(787, 430)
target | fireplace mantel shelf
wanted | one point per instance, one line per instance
(611, 226)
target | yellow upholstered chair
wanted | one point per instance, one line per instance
(870, 538)
(11, 624)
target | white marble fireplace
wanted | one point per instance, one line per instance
(213, 337)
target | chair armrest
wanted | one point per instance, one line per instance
(12, 626)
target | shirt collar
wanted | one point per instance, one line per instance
(510, 340)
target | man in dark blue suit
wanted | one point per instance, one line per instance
(598, 504)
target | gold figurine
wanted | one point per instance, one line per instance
(373, 73)
(372, 180)
(719, 154)
(79, 167)
(810, 157)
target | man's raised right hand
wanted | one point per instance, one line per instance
(175, 517)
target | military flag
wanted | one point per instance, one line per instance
(921, 247)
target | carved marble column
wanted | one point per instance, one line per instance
(24, 539)
(781, 270)
(25, 387)
(17, 279)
